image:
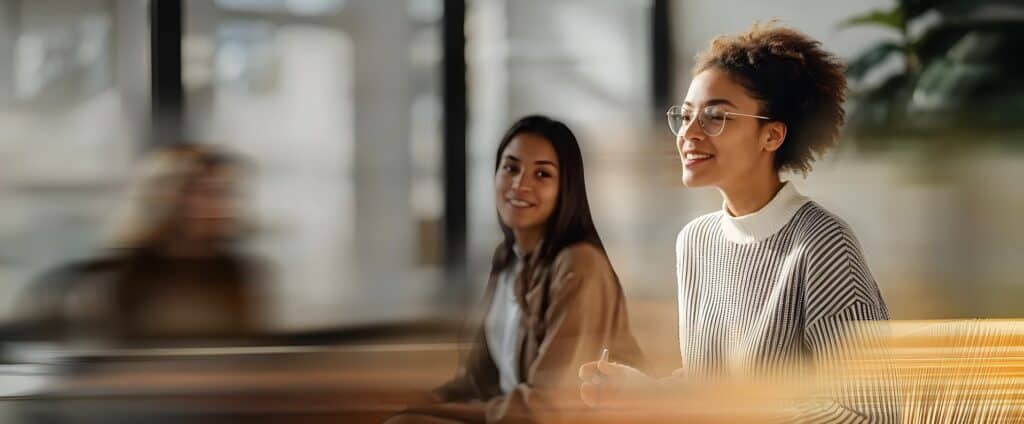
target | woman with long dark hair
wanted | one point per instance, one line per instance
(553, 299)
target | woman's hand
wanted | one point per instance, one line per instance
(604, 381)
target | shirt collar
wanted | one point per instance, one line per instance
(768, 220)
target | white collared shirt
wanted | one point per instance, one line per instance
(501, 327)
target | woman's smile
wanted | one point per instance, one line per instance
(519, 203)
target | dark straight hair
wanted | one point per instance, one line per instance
(570, 222)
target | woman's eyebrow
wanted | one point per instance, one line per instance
(546, 162)
(713, 102)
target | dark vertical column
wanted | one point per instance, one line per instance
(662, 60)
(455, 188)
(168, 93)
(9, 28)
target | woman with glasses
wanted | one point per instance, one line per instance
(773, 278)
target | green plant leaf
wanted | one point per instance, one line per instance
(871, 58)
(893, 19)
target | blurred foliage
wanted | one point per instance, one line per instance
(960, 75)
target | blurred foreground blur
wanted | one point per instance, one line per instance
(943, 371)
(316, 256)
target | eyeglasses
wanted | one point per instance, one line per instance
(711, 119)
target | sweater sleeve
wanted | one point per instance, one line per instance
(579, 324)
(840, 293)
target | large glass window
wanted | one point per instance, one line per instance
(336, 103)
(73, 106)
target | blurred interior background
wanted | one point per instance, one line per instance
(367, 130)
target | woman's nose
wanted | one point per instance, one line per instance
(693, 131)
(519, 182)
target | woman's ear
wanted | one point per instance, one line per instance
(774, 135)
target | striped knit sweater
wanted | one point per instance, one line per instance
(764, 290)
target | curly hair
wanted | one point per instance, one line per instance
(795, 81)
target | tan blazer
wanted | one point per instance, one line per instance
(574, 309)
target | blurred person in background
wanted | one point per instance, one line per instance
(554, 301)
(773, 278)
(174, 270)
